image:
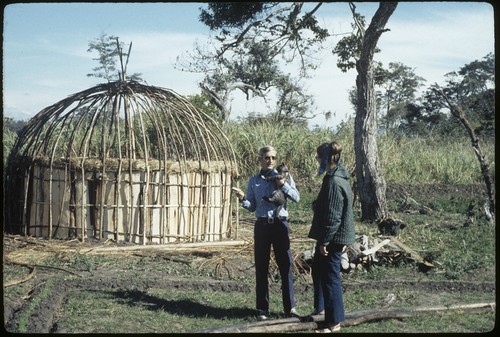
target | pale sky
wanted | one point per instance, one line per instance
(45, 56)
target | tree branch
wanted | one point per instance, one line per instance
(241, 35)
(32, 266)
(353, 318)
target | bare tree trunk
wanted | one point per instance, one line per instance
(483, 162)
(370, 180)
(219, 102)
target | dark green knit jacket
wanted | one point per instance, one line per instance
(333, 219)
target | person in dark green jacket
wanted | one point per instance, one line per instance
(332, 228)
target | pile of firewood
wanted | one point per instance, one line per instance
(368, 251)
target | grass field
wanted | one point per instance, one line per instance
(66, 287)
(170, 291)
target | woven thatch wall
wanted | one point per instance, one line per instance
(121, 161)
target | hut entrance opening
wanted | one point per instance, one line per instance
(121, 161)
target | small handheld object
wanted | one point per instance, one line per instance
(239, 193)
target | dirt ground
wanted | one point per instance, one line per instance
(119, 275)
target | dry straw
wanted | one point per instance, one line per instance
(122, 161)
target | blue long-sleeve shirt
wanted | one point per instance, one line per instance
(259, 187)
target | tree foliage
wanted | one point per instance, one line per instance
(283, 25)
(472, 87)
(250, 41)
(203, 103)
(288, 32)
(348, 49)
(10, 131)
(110, 57)
(404, 111)
(228, 14)
(399, 85)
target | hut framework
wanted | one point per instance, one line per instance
(121, 161)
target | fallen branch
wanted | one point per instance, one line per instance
(20, 280)
(283, 324)
(166, 247)
(363, 316)
(31, 266)
(352, 319)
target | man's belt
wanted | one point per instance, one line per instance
(272, 220)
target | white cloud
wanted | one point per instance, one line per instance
(438, 44)
(434, 42)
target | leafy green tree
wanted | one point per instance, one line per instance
(293, 105)
(397, 88)
(12, 124)
(110, 52)
(472, 87)
(10, 131)
(416, 121)
(427, 117)
(251, 37)
(399, 85)
(291, 34)
(203, 103)
(348, 49)
(251, 73)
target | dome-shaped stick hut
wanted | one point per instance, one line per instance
(121, 161)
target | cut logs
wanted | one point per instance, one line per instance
(367, 251)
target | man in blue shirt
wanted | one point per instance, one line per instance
(270, 230)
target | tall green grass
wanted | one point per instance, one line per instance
(412, 160)
(8, 140)
(296, 146)
(432, 160)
